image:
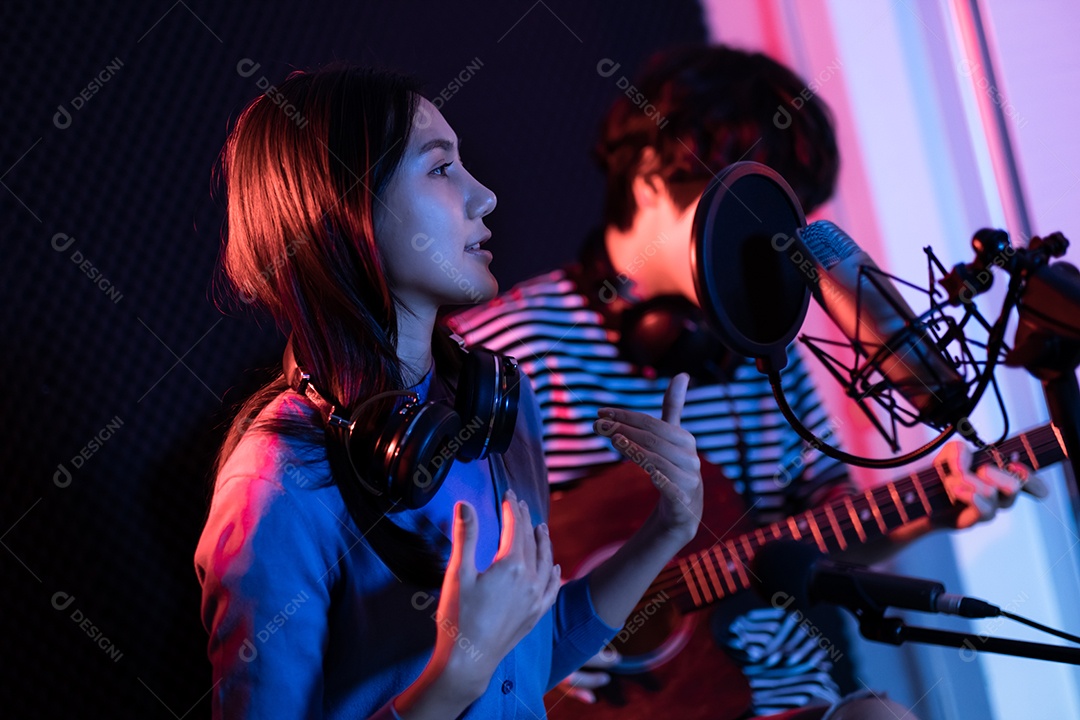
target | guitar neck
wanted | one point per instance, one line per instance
(703, 578)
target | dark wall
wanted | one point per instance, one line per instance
(120, 370)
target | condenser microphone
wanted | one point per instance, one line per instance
(791, 572)
(872, 314)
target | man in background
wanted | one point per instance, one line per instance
(612, 328)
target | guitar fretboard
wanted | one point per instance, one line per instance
(700, 579)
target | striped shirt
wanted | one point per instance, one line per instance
(573, 361)
(574, 364)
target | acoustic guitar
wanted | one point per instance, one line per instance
(671, 666)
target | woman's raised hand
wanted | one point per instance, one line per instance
(483, 615)
(667, 452)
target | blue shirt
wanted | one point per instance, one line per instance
(306, 621)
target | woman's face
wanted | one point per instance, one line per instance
(429, 222)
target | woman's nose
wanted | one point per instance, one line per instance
(481, 201)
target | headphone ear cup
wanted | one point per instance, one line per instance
(487, 402)
(374, 428)
(474, 399)
(506, 412)
(419, 456)
(403, 454)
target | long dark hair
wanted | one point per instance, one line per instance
(303, 167)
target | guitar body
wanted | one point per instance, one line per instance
(671, 666)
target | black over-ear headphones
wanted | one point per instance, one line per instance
(667, 333)
(400, 452)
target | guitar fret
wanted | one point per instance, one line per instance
(876, 510)
(855, 521)
(712, 575)
(998, 459)
(1030, 453)
(746, 546)
(684, 565)
(948, 490)
(702, 580)
(836, 527)
(1060, 441)
(899, 505)
(739, 565)
(817, 533)
(718, 553)
(922, 493)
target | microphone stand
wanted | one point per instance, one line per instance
(1047, 341)
(892, 630)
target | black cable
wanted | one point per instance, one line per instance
(1061, 634)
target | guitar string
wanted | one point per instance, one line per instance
(673, 576)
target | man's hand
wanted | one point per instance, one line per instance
(580, 684)
(979, 493)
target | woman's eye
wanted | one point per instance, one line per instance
(441, 170)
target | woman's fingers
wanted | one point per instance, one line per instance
(543, 548)
(649, 432)
(463, 553)
(658, 467)
(551, 591)
(528, 536)
(509, 525)
(684, 457)
(674, 398)
(613, 420)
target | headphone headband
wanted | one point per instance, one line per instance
(403, 454)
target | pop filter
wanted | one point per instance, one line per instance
(754, 295)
